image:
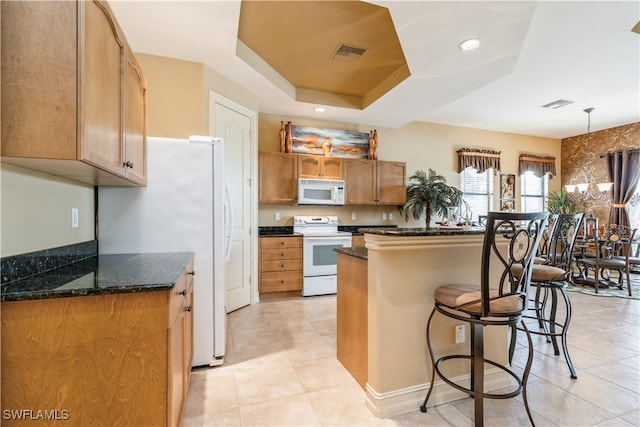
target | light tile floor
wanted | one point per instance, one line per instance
(281, 370)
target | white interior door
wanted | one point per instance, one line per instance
(234, 124)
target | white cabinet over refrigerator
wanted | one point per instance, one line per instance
(182, 208)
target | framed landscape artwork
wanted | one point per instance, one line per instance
(330, 142)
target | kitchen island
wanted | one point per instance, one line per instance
(103, 340)
(404, 267)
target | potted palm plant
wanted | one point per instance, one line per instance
(559, 202)
(428, 194)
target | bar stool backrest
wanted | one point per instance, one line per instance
(563, 240)
(522, 233)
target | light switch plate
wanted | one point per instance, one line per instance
(75, 218)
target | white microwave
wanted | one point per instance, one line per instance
(320, 192)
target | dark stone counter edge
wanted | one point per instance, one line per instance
(355, 251)
(67, 293)
(399, 232)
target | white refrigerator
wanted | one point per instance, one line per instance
(184, 207)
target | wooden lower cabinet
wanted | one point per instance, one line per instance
(280, 264)
(100, 360)
(357, 240)
(352, 316)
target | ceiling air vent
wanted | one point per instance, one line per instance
(557, 104)
(348, 53)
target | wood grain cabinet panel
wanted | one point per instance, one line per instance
(374, 182)
(280, 264)
(310, 166)
(278, 178)
(117, 359)
(73, 97)
(352, 316)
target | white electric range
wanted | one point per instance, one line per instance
(320, 265)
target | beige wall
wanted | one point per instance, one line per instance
(178, 95)
(422, 146)
(36, 211)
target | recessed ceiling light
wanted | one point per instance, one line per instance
(319, 109)
(469, 44)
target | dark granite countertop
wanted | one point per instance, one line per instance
(102, 274)
(442, 231)
(276, 231)
(287, 231)
(356, 251)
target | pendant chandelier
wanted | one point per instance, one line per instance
(589, 189)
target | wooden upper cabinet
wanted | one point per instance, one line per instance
(391, 182)
(101, 80)
(135, 121)
(360, 181)
(73, 97)
(278, 177)
(310, 166)
(374, 182)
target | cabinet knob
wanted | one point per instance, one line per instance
(128, 164)
(189, 308)
(183, 292)
(193, 273)
(281, 265)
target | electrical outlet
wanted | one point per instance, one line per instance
(459, 334)
(75, 218)
(276, 216)
(384, 216)
(353, 216)
(390, 216)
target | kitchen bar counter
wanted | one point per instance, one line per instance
(100, 275)
(404, 267)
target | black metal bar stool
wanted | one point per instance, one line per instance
(550, 279)
(510, 239)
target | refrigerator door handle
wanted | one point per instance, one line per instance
(228, 223)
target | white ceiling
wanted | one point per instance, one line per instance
(532, 53)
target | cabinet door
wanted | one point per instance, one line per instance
(391, 183)
(39, 79)
(135, 119)
(331, 168)
(278, 177)
(309, 166)
(101, 62)
(360, 182)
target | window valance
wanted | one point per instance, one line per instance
(480, 160)
(539, 165)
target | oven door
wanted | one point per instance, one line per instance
(320, 259)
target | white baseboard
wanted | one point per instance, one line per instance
(401, 401)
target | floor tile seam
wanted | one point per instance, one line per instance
(574, 395)
(602, 378)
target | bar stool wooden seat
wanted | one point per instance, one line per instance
(500, 299)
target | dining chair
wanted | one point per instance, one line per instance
(498, 299)
(612, 253)
(550, 279)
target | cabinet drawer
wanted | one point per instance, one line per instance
(177, 298)
(282, 265)
(277, 254)
(280, 242)
(281, 281)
